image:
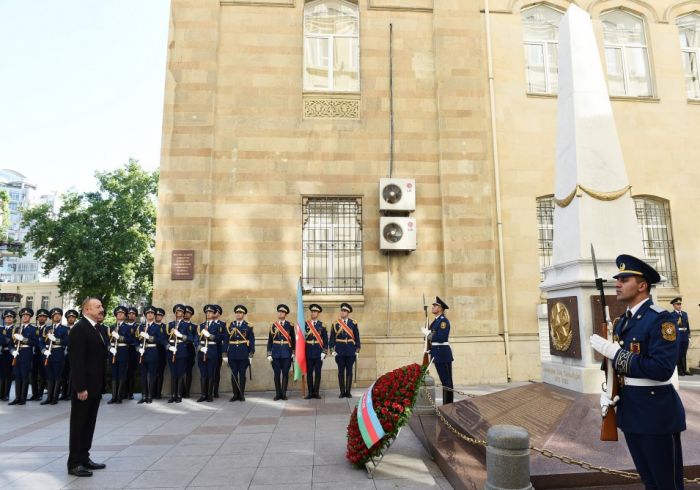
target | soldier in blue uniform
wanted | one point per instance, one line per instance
(121, 336)
(6, 329)
(345, 346)
(316, 351)
(240, 339)
(191, 354)
(220, 345)
(148, 336)
(53, 340)
(440, 351)
(644, 354)
(208, 334)
(24, 338)
(179, 334)
(280, 351)
(38, 376)
(71, 317)
(162, 361)
(681, 318)
(133, 367)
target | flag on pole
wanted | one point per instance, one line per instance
(300, 331)
(368, 422)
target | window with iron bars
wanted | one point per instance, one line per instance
(545, 231)
(332, 245)
(654, 216)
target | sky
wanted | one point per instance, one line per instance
(81, 87)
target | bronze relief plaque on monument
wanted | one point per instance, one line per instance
(182, 265)
(563, 327)
(616, 309)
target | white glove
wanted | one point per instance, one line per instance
(14, 353)
(115, 335)
(178, 334)
(606, 402)
(113, 351)
(206, 333)
(47, 352)
(608, 349)
(51, 337)
(269, 358)
(142, 350)
(144, 335)
(426, 331)
(203, 350)
(18, 337)
(172, 348)
(334, 353)
(357, 354)
(323, 355)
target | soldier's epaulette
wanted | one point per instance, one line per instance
(657, 309)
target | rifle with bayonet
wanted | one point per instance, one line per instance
(608, 428)
(427, 343)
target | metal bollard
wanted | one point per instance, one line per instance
(423, 406)
(507, 458)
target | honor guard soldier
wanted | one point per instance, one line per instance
(316, 351)
(440, 351)
(148, 336)
(162, 361)
(38, 377)
(208, 334)
(53, 342)
(345, 346)
(644, 355)
(179, 334)
(191, 354)
(121, 336)
(681, 318)
(220, 346)
(24, 338)
(6, 329)
(280, 350)
(132, 321)
(71, 318)
(240, 340)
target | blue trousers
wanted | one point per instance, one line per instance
(120, 368)
(177, 368)
(238, 367)
(280, 368)
(207, 369)
(658, 459)
(313, 373)
(23, 366)
(54, 370)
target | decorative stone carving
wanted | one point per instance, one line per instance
(331, 107)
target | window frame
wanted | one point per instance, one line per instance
(692, 51)
(668, 250)
(546, 46)
(545, 253)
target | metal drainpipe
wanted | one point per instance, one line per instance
(497, 184)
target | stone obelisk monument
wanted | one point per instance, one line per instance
(593, 205)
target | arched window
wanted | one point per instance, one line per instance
(654, 217)
(541, 41)
(331, 46)
(545, 231)
(626, 55)
(689, 30)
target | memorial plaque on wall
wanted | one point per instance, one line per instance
(616, 309)
(182, 265)
(564, 335)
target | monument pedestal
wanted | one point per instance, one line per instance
(577, 378)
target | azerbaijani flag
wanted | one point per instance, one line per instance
(300, 331)
(367, 420)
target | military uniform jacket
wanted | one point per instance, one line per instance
(649, 349)
(683, 325)
(188, 333)
(341, 341)
(126, 338)
(277, 344)
(215, 331)
(58, 347)
(221, 338)
(440, 334)
(313, 347)
(155, 338)
(30, 334)
(240, 340)
(6, 337)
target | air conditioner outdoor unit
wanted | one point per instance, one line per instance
(397, 195)
(397, 233)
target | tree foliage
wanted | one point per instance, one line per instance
(100, 242)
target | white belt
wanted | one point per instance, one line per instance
(645, 382)
(682, 329)
(438, 344)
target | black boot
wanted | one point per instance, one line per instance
(179, 387)
(173, 390)
(37, 391)
(18, 393)
(242, 389)
(234, 389)
(152, 383)
(285, 381)
(144, 390)
(317, 387)
(348, 385)
(341, 384)
(188, 385)
(447, 396)
(210, 392)
(56, 392)
(49, 395)
(6, 391)
(278, 389)
(2, 389)
(309, 386)
(204, 383)
(114, 393)
(25, 392)
(65, 390)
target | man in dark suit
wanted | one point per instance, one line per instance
(681, 318)
(87, 354)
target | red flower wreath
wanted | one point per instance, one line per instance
(394, 395)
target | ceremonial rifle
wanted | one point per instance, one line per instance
(115, 342)
(427, 346)
(16, 330)
(608, 428)
(46, 335)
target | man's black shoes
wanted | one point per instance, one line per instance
(79, 470)
(91, 465)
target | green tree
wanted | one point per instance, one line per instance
(101, 242)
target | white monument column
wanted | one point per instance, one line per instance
(593, 205)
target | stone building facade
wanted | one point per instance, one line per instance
(275, 109)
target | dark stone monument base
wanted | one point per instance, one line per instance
(559, 420)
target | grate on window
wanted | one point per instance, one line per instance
(545, 231)
(654, 217)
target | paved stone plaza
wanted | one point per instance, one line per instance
(296, 444)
